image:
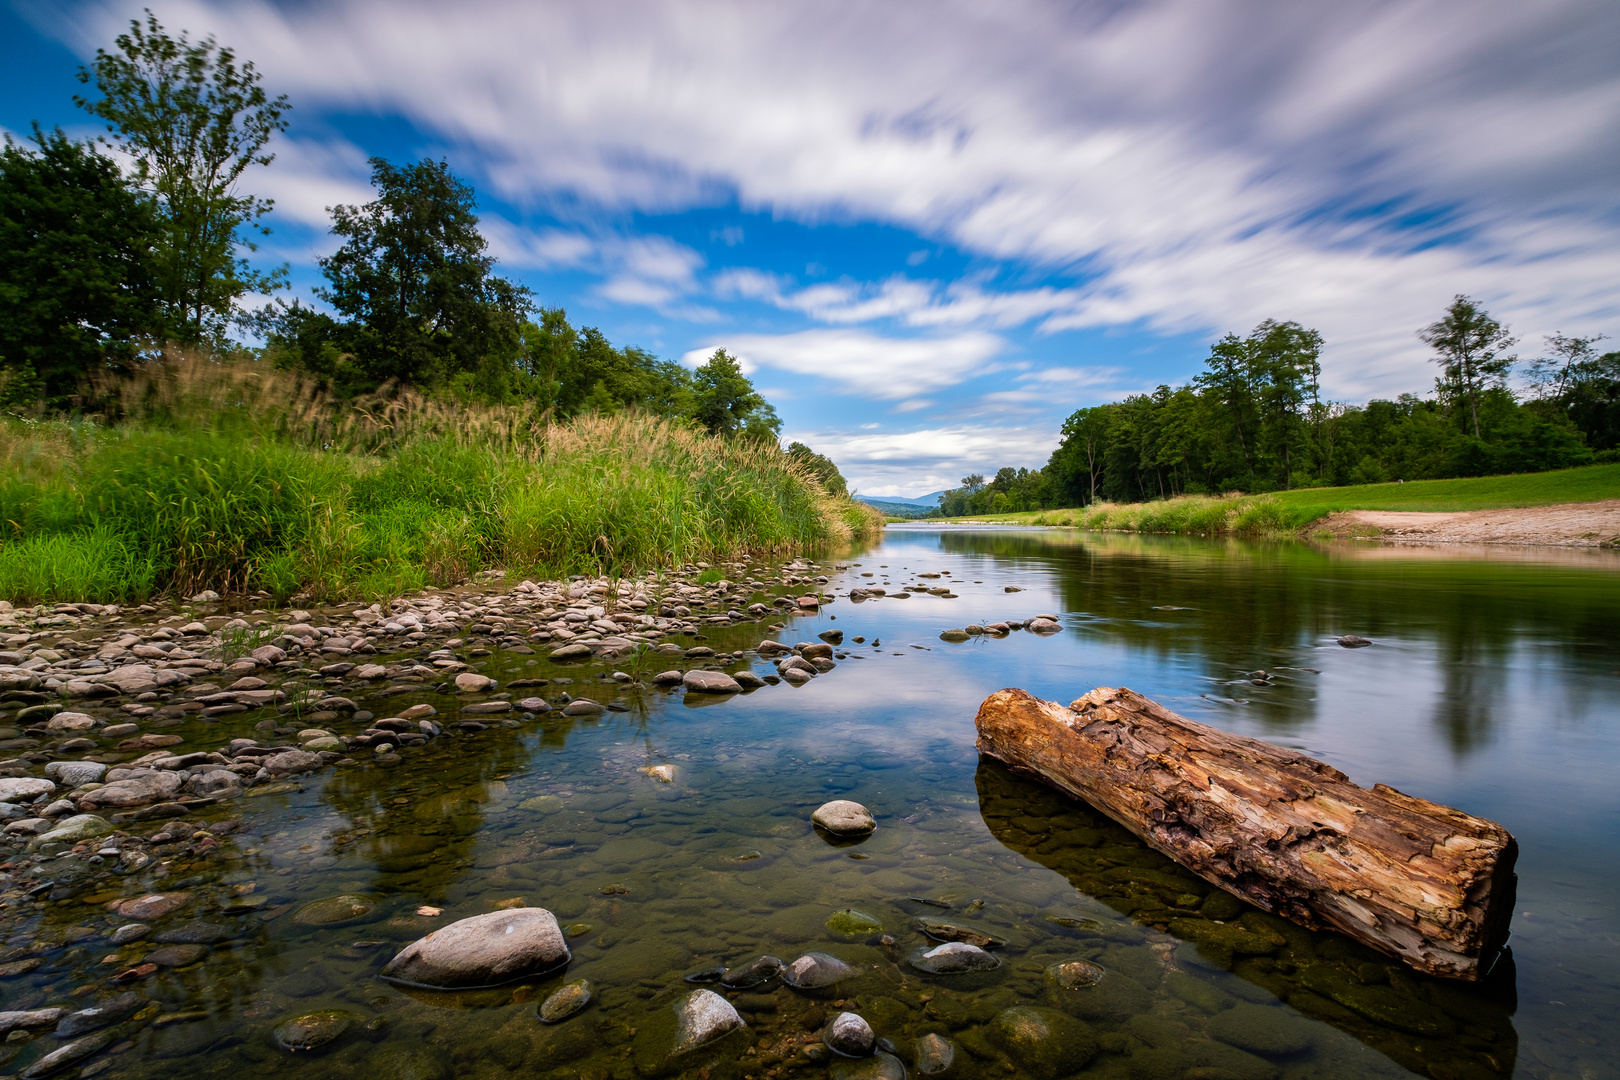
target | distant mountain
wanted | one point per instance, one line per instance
(927, 502)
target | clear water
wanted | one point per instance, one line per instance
(1493, 685)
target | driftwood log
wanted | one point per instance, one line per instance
(1425, 883)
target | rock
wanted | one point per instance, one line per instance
(832, 637)
(173, 956)
(269, 655)
(483, 708)
(1263, 1030)
(576, 651)
(312, 1030)
(150, 906)
(953, 958)
(1351, 641)
(197, 933)
(15, 678)
(850, 921)
(72, 774)
(698, 681)
(289, 762)
(150, 742)
(24, 788)
(419, 712)
(69, 721)
(814, 970)
(28, 826)
(1043, 1043)
(945, 931)
(848, 1034)
(667, 678)
(757, 972)
(28, 1020)
(129, 932)
(534, 705)
(73, 1052)
(880, 1066)
(565, 1001)
(816, 652)
(136, 791)
(934, 1055)
(100, 1015)
(334, 911)
(954, 635)
(73, 829)
(1075, 974)
(324, 742)
(470, 682)
(485, 950)
(1043, 626)
(207, 596)
(704, 1016)
(747, 680)
(844, 818)
(368, 672)
(583, 707)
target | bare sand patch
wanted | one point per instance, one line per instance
(1591, 524)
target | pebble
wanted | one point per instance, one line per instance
(704, 1016)
(756, 972)
(1351, 641)
(699, 681)
(953, 958)
(485, 950)
(334, 911)
(566, 1001)
(850, 921)
(1075, 974)
(848, 1034)
(934, 1055)
(814, 970)
(842, 817)
(311, 1030)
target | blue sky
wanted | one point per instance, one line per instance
(932, 230)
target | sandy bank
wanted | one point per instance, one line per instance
(1591, 524)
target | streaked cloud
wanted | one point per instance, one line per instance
(868, 364)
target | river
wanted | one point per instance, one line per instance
(1492, 684)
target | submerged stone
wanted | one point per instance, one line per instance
(1267, 1031)
(940, 930)
(934, 1055)
(953, 958)
(880, 1066)
(312, 1030)
(756, 972)
(334, 911)
(849, 1034)
(100, 1015)
(851, 921)
(1075, 974)
(566, 1001)
(1043, 1043)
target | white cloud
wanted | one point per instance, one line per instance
(886, 368)
(915, 462)
(1204, 164)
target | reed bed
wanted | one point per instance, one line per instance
(200, 475)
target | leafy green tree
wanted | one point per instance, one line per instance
(821, 467)
(1077, 464)
(726, 403)
(76, 284)
(1567, 359)
(1288, 358)
(193, 121)
(413, 282)
(1471, 349)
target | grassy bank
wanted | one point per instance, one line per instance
(245, 480)
(1285, 512)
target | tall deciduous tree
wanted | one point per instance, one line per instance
(1471, 349)
(76, 285)
(725, 401)
(193, 120)
(414, 281)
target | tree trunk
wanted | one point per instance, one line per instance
(1425, 883)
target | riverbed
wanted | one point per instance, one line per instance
(673, 838)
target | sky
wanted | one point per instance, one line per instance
(932, 230)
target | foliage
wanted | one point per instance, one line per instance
(193, 121)
(242, 477)
(1471, 349)
(413, 283)
(821, 467)
(726, 403)
(76, 284)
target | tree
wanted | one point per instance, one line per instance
(414, 283)
(821, 467)
(1472, 353)
(726, 403)
(1289, 359)
(1552, 376)
(193, 121)
(76, 285)
(1085, 437)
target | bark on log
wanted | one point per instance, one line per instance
(1425, 883)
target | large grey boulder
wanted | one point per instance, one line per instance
(136, 791)
(71, 774)
(704, 1017)
(485, 950)
(841, 817)
(24, 788)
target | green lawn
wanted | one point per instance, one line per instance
(1285, 511)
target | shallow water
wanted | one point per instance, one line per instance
(1493, 685)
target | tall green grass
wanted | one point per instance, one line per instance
(205, 476)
